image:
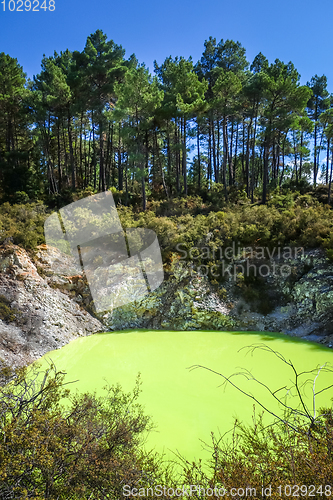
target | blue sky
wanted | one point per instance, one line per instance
(296, 30)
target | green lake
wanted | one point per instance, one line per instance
(186, 405)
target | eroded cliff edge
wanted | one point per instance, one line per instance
(37, 317)
(45, 302)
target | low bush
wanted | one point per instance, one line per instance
(59, 445)
(85, 449)
(287, 219)
(287, 455)
(23, 224)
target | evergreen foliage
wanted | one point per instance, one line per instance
(58, 445)
(94, 120)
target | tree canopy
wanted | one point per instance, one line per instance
(96, 120)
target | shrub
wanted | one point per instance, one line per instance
(287, 219)
(88, 448)
(289, 456)
(24, 224)
(7, 313)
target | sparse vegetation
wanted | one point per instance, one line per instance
(7, 313)
(276, 459)
(288, 219)
(58, 445)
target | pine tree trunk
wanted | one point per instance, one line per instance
(265, 175)
(243, 149)
(184, 159)
(218, 150)
(236, 149)
(214, 151)
(81, 169)
(101, 159)
(301, 158)
(247, 161)
(71, 155)
(87, 170)
(126, 182)
(177, 157)
(253, 153)
(330, 181)
(160, 166)
(198, 149)
(106, 158)
(169, 158)
(315, 150)
(143, 180)
(225, 155)
(295, 159)
(209, 169)
(59, 156)
(231, 165)
(283, 161)
(93, 162)
(120, 172)
(327, 160)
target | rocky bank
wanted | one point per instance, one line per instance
(45, 301)
(294, 297)
(36, 316)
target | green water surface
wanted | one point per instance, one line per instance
(186, 405)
